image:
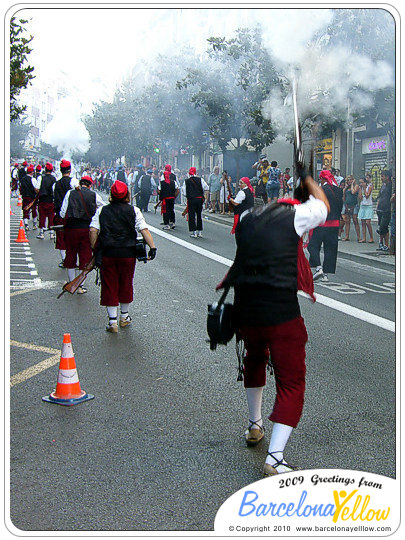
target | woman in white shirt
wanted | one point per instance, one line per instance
(366, 208)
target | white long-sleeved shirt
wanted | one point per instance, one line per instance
(65, 203)
(204, 185)
(140, 223)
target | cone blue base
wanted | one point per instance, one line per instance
(67, 402)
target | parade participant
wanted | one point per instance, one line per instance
(62, 186)
(327, 234)
(243, 201)
(14, 180)
(269, 268)
(137, 175)
(22, 171)
(79, 207)
(38, 170)
(28, 194)
(44, 187)
(114, 230)
(146, 185)
(194, 188)
(168, 190)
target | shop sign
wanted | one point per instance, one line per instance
(371, 146)
(325, 145)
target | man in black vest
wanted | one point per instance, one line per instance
(28, 194)
(14, 180)
(243, 201)
(79, 207)
(62, 186)
(194, 188)
(269, 268)
(114, 230)
(327, 234)
(146, 185)
(168, 190)
(45, 186)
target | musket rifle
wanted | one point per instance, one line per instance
(72, 286)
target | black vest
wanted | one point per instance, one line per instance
(145, 184)
(117, 236)
(267, 246)
(46, 191)
(21, 173)
(62, 186)
(335, 197)
(121, 175)
(26, 188)
(80, 213)
(168, 190)
(194, 187)
(248, 202)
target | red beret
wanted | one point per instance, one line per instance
(87, 178)
(65, 164)
(30, 168)
(119, 190)
(192, 171)
(49, 167)
(38, 168)
(25, 164)
(15, 164)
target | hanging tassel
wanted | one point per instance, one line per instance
(240, 353)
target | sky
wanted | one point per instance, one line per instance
(93, 49)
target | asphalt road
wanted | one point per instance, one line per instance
(161, 446)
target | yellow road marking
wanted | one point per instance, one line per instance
(34, 370)
(37, 368)
(23, 291)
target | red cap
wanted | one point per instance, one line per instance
(25, 164)
(65, 164)
(119, 190)
(30, 168)
(15, 164)
(87, 178)
(38, 167)
(49, 167)
(192, 171)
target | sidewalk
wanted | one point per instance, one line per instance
(365, 253)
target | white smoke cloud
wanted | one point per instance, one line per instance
(66, 131)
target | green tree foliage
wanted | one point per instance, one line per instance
(18, 133)
(50, 151)
(20, 72)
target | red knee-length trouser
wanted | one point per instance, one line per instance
(285, 343)
(117, 276)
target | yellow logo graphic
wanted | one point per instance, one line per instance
(346, 512)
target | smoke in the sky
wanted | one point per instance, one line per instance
(66, 130)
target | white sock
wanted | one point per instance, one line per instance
(71, 273)
(112, 313)
(254, 399)
(318, 268)
(124, 310)
(63, 254)
(26, 223)
(279, 438)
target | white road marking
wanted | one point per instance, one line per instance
(370, 318)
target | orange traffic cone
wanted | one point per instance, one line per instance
(11, 213)
(21, 234)
(19, 201)
(68, 391)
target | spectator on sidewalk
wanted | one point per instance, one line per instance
(393, 212)
(273, 185)
(225, 192)
(215, 186)
(263, 168)
(384, 210)
(351, 203)
(366, 208)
